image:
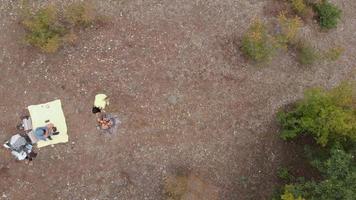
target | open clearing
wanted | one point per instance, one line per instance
(185, 95)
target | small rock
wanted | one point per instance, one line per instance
(173, 99)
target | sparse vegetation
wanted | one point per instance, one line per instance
(333, 53)
(175, 187)
(328, 14)
(185, 185)
(44, 29)
(47, 31)
(306, 54)
(303, 9)
(257, 44)
(299, 6)
(80, 14)
(289, 28)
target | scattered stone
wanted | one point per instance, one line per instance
(173, 99)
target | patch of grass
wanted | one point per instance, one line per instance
(48, 31)
(328, 14)
(70, 38)
(333, 53)
(44, 29)
(175, 187)
(257, 44)
(289, 29)
(306, 54)
(80, 14)
(299, 6)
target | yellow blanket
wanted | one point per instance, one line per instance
(52, 112)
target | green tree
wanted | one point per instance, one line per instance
(328, 14)
(338, 179)
(328, 116)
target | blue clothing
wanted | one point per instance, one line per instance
(40, 133)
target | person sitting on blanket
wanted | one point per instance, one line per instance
(42, 133)
(104, 122)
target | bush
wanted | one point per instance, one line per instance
(80, 14)
(306, 54)
(326, 116)
(289, 195)
(328, 14)
(44, 29)
(47, 31)
(299, 6)
(257, 44)
(289, 28)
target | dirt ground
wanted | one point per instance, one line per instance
(185, 96)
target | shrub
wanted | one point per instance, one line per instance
(257, 44)
(302, 9)
(80, 14)
(328, 14)
(289, 28)
(284, 174)
(306, 54)
(288, 193)
(44, 29)
(299, 6)
(327, 116)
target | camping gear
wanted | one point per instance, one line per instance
(50, 112)
(21, 145)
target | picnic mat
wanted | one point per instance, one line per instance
(53, 112)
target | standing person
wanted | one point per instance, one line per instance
(100, 102)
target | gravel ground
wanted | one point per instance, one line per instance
(185, 96)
